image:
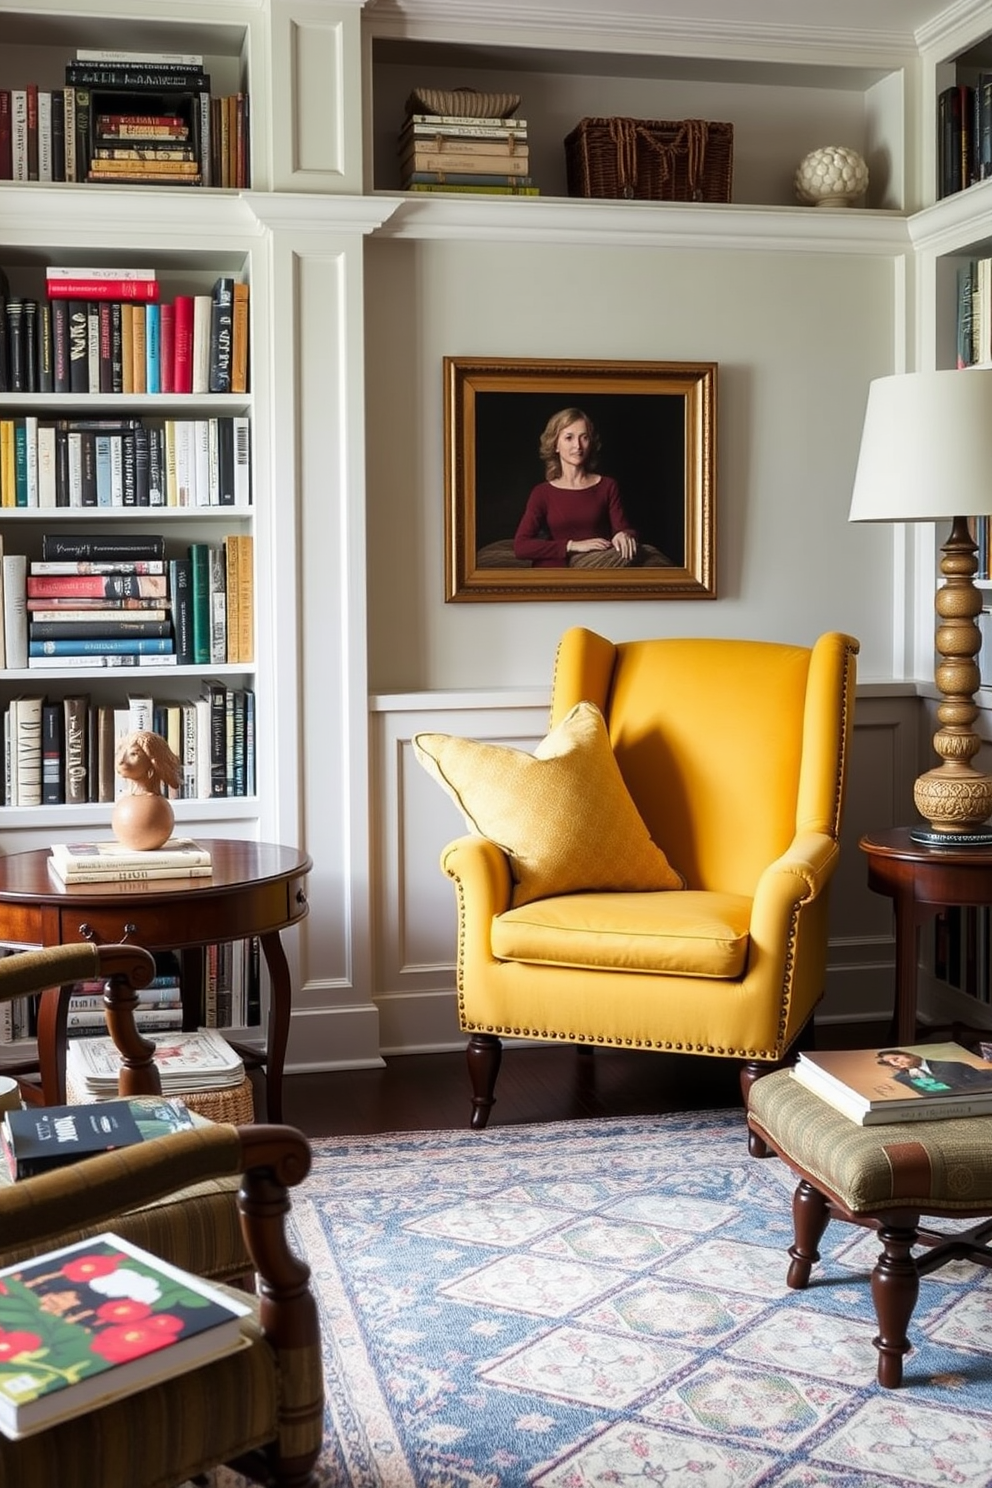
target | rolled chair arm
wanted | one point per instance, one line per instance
(481, 872)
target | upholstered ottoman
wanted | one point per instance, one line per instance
(885, 1177)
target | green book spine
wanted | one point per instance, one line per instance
(199, 555)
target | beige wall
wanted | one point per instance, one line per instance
(797, 336)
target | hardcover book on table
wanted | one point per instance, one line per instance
(909, 1082)
(74, 859)
(98, 1320)
(39, 1138)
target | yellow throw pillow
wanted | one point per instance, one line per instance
(562, 815)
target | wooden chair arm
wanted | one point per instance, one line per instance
(53, 972)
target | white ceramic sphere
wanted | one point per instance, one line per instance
(832, 177)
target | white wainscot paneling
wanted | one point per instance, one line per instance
(415, 905)
(414, 902)
(884, 764)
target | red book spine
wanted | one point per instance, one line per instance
(32, 99)
(182, 361)
(102, 289)
(167, 343)
(97, 586)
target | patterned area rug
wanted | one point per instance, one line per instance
(604, 1303)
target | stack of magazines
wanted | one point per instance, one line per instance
(187, 1062)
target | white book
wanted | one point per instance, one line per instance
(166, 59)
(202, 310)
(108, 855)
(141, 712)
(47, 487)
(69, 95)
(213, 463)
(31, 451)
(74, 442)
(93, 347)
(44, 135)
(82, 663)
(19, 133)
(203, 782)
(122, 727)
(26, 750)
(185, 463)
(242, 460)
(201, 462)
(15, 612)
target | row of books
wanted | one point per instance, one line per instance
(964, 135)
(125, 462)
(474, 154)
(108, 331)
(193, 610)
(230, 997)
(160, 134)
(62, 751)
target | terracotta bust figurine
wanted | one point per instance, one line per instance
(143, 818)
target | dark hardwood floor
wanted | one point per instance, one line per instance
(431, 1092)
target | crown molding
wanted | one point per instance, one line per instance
(587, 23)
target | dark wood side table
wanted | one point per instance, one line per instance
(255, 888)
(920, 880)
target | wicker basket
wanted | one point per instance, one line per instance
(236, 1103)
(651, 159)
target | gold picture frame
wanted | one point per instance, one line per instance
(656, 423)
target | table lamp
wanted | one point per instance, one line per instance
(926, 456)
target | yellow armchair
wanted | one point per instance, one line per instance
(735, 755)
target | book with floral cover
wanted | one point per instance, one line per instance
(914, 1082)
(94, 1321)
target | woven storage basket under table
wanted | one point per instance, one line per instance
(235, 1103)
(651, 159)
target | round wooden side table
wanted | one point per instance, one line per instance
(920, 880)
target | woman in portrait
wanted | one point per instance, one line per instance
(575, 517)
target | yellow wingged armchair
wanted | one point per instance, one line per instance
(734, 753)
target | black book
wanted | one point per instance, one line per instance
(45, 352)
(4, 341)
(76, 710)
(87, 450)
(225, 460)
(16, 356)
(141, 461)
(129, 468)
(127, 77)
(40, 1138)
(102, 548)
(58, 134)
(52, 755)
(181, 594)
(79, 367)
(60, 345)
(116, 347)
(93, 755)
(983, 127)
(955, 114)
(221, 329)
(217, 694)
(31, 346)
(74, 630)
(84, 126)
(105, 316)
(156, 465)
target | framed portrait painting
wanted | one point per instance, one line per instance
(591, 479)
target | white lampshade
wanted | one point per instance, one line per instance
(926, 448)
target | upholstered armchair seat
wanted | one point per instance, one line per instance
(735, 755)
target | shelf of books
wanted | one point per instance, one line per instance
(127, 566)
(94, 114)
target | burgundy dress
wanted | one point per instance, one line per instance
(554, 517)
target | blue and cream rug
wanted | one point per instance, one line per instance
(604, 1303)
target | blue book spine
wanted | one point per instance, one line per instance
(153, 348)
(104, 646)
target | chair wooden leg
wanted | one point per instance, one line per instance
(484, 1054)
(895, 1287)
(810, 1216)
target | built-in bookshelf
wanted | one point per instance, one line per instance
(780, 111)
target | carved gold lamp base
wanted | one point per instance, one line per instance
(955, 799)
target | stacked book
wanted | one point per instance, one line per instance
(916, 1082)
(109, 862)
(159, 1009)
(39, 1138)
(447, 152)
(187, 1063)
(139, 118)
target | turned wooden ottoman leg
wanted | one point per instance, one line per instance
(895, 1286)
(484, 1054)
(810, 1216)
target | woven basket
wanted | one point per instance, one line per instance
(650, 159)
(235, 1104)
(462, 103)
